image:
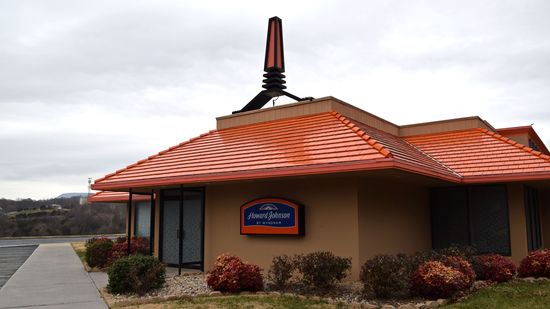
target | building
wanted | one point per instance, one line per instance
(321, 174)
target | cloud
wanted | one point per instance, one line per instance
(89, 87)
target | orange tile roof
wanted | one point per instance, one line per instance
(116, 197)
(327, 143)
(479, 155)
(406, 153)
(303, 145)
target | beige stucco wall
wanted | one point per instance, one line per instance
(350, 216)
(520, 138)
(518, 227)
(330, 223)
(393, 218)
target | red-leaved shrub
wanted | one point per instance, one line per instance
(536, 264)
(442, 279)
(461, 265)
(138, 245)
(496, 268)
(250, 278)
(231, 274)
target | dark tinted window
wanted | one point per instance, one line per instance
(449, 217)
(475, 216)
(532, 217)
(489, 231)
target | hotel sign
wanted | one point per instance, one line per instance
(272, 216)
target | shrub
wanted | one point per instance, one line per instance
(496, 268)
(322, 269)
(536, 264)
(281, 270)
(250, 278)
(231, 274)
(92, 240)
(386, 275)
(138, 245)
(463, 266)
(135, 274)
(434, 279)
(466, 252)
(98, 252)
(422, 257)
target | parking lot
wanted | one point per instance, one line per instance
(11, 258)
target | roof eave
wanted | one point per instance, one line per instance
(517, 177)
(332, 168)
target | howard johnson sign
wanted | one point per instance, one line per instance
(272, 216)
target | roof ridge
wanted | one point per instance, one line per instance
(516, 144)
(371, 141)
(153, 156)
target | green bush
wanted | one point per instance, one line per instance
(281, 270)
(387, 276)
(135, 274)
(322, 269)
(98, 251)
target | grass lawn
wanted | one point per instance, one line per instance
(242, 302)
(79, 249)
(510, 295)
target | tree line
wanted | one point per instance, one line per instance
(18, 218)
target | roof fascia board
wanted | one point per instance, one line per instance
(447, 125)
(249, 175)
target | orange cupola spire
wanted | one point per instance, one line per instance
(274, 52)
(274, 67)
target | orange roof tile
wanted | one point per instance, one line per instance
(116, 197)
(304, 145)
(328, 143)
(478, 155)
(406, 153)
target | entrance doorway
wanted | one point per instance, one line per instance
(186, 205)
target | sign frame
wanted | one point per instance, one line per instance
(297, 230)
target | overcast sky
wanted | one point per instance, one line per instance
(88, 87)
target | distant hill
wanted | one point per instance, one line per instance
(71, 195)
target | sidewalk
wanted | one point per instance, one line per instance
(52, 277)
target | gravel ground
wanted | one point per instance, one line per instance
(178, 286)
(189, 285)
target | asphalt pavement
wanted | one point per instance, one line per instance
(11, 258)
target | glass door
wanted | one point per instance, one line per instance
(190, 239)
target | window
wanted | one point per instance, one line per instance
(143, 219)
(532, 217)
(474, 216)
(533, 145)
